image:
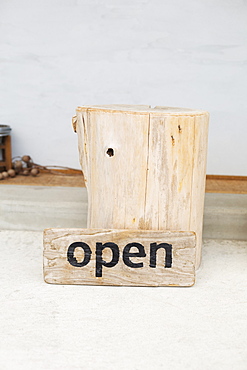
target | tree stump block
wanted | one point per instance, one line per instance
(144, 168)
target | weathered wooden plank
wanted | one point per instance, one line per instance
(97, 263)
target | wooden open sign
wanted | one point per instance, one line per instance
(119, 257)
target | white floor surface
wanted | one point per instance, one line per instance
(84, 327)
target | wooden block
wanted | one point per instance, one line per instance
(145, 166)
(119, 257)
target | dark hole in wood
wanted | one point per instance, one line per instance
(110, 152)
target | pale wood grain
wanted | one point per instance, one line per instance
(156, 177)
(140, 109)
(112, 197)
(199, 180)
(58, 270)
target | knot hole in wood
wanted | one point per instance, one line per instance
(110, 152)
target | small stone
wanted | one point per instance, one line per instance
(26, 158)
(25, 173)
(11, 173)
(34, 171)
(5, 174)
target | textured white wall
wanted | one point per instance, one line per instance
(56, 55)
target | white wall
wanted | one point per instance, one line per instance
(56, 55)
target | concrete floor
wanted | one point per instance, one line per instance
(83, 327)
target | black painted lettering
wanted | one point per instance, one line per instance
(71, 254)
(100, 262)
(153, 254)
(127, 254)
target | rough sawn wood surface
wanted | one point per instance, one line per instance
(162, 153)
(58, 270)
